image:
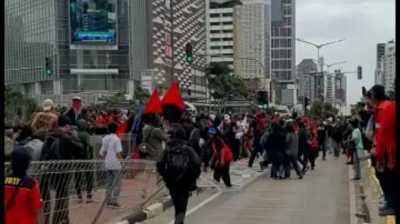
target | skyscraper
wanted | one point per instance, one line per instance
(385, 71)
(306, 71)
(283, 30)
(253, 36)
(220, 31)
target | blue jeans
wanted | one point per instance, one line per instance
(113, 178)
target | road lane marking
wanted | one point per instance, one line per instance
(197, 207)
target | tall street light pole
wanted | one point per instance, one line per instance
(319, 46)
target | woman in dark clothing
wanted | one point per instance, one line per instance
(304, 150)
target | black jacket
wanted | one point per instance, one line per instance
(60, 145)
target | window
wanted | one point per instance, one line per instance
(214, 15)
(227, 14)
(215, 47)
(214, 31)
(227, 39)
(214, 24)
(227, 47)
(227, 23)
(215, 39)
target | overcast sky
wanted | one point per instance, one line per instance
(363, 23)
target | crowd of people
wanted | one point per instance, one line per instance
(183, 145)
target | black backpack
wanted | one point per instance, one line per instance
(177, 165)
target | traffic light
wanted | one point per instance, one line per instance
(48, 67)
(306, 102)
(262, 97)
(189, 53)
(359, 72)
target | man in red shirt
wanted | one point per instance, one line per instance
(22, 193)
(384, 149)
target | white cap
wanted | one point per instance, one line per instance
(76, 98)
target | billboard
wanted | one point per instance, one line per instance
(93, 22)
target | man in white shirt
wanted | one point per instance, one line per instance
(110, 151)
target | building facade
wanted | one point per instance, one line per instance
(253, 38)
(340, 89)
(306, 71)
(385, 72)
(283, 31)
(220, 31)
(138, 41)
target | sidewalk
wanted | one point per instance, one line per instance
(133, 193)
(366, 195)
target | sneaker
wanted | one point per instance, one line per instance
(387, 211)
(113, 205)
(80, 200)
(300, 177)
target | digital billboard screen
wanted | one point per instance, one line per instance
(93, 21)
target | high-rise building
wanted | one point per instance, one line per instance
(389, 67)
(340, 89)
(306, 71)
(283, 30)
(380, 53)
(252, 33)
(220, 31)
(103, 51)
(385, 71)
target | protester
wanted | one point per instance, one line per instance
(179, 167)
(75, 112)
(221, 158)
(153, 138)
(304, 147)
(21, 193)
(110, 151)
(60, 144)
(276, 150)
(47, 119)
(321, 139)
(292, 151)
(85, 178)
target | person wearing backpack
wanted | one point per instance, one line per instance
(21, 193)
(179, 166)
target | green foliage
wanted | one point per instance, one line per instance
(18, 105)
(320, 110)
(141, 94)
(223, 83)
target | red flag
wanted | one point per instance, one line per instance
(173, 97)
(154, 104)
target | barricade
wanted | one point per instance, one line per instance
(61, 182)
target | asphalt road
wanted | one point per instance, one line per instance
(321, 197)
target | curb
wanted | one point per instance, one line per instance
(155, 209)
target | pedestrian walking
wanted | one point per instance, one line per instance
(110, 151)
(221, 158)
(85, 178)
(291, 152)
(304, 147)
(276, 150)
(75, 112)
(60, 144)
(179, 167)
(153, 138)
(21, 193)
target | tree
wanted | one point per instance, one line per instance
(18, 105)
(322, 110)
(224, 83)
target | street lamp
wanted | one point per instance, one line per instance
(319, 46)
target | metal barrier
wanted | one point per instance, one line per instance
(62, 182)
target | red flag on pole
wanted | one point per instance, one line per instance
(173, 97)
(154, 104)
